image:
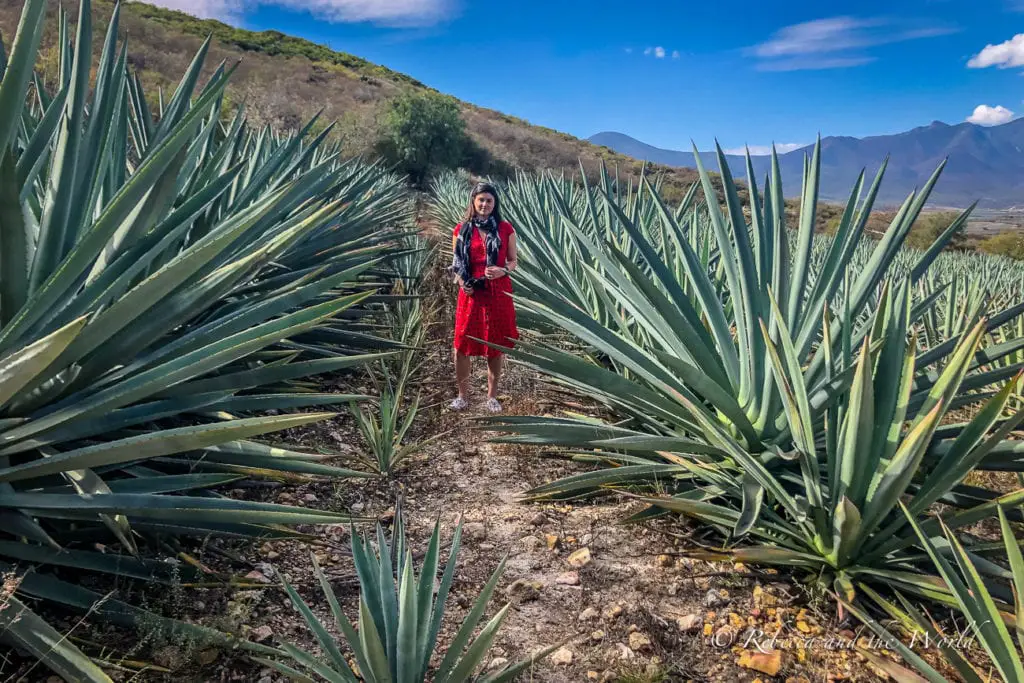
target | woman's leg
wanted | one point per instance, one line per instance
(462, 369)
(494, 374)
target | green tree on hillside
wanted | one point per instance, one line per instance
(421, 133)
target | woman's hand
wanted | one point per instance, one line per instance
(494, 272)
(465, 288)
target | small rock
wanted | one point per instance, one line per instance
(257, 576)
(531, 543)
(638, 642)
(624, 652)
(591, 676)
(580, 558)
(725, 637)
(310, 498)
(589, 614)
(551, 540)
(486, 546)
(497, 663)
(522, 590)
(765, 662)
(538, 519)
(266, 569)
(273, 555)
(613, 613)
(714, 599)
(763, 598)
(475, 531)
(561, 657)
(664, 561)
(568, 579)
(689, 623)
(265, 679)
(208, 657)
(357, 507)
(597, 635)
(169, 657)
(262, 633)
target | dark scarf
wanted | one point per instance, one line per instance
(492, 242)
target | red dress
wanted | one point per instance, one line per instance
(488, 313)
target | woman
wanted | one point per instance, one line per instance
(483, 255)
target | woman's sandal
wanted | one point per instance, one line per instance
(459, 404)
(493, 405)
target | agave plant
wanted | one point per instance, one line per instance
(732, 364)
(385, 434)
(400, 619)
(988, 617)
(166, 279)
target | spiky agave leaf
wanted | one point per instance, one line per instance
(400, 619)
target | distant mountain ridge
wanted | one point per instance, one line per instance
(985, 164)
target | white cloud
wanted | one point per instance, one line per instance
(812, 64)
(1004, 55)
(792, 47)
(985, 115)
(660, 52)
(386, 12)
(629, 50)
(765, 150)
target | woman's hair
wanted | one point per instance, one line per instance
(483, 188)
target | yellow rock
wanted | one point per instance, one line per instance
(580, 558)
(593, 676)
(736, 620)
(707, 629)
(552, 541)
(764, 599)
(765, 662)
(803, 627)
(664, 561)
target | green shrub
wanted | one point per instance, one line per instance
(930, 226)
(423, 132)
(1005, 244)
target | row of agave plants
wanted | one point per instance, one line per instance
(811, 399)
(171, 283)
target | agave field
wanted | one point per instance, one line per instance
(178, 288)
(812, 401)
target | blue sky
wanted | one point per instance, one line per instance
(668, 71)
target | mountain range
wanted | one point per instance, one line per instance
(984, 164)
